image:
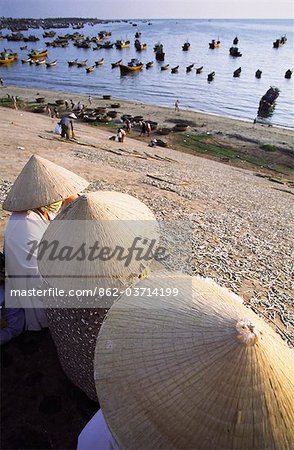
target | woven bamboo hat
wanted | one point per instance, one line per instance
(195, 371)
(107, 220)
(41, 183)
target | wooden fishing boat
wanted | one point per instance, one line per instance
(40, 61)
(175, 69)
(267, 102)
(116, 64)
(82, 63)
(31, 38)
(90, 69)
(186, 46)
(159, 53)
(51, 63)
(133, 66)
(120, 44)
(210, 76)
(139, 46)
(149, 64)
(214, 44)
(279, 42)
(199, 69)
(26, 60)
(237, 72)
(165, 67)
(258, 74)
(236, 40)
(83, 44)
(49, 34)
(107, 45)
(288, 74)
(38, 54)
(72, 63)
(234, 51)
(7, 57)
(99, 62)
(189, 68)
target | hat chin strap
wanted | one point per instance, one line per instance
(246, 333)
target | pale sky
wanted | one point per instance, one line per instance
(122, 9)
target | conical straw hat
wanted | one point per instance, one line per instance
(195, 371)
(109, 219)
(41, 183)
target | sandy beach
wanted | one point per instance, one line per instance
(242, 222)
(229, 128)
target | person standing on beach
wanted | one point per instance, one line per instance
(67, 126)
(1, 82)
(143, 128)
(177, 109)
(14, 102)
(90, 100)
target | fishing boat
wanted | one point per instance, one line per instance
(90, 69)
(8, 57)
(210, 76)
(49, 34)
(139, 46)
(120, 44)
(40, 61)
(267, 102)
(107, 45)
(237, 72)
(83, 44)
(165, 67)
(82, 63)
(236, 40)
(51, 63)
(116, 64)
(149, 64)
(26, 60)
(234, 51)
(36, 54)
(72, 63)
(214, 44)
(199, 69)
(189, 68)
(159, 53)
(99, 62)
(175, 69)
(31, 38)
(133, 66)
(280, 41)
(288, 74)
(186, 46)
(258, 73)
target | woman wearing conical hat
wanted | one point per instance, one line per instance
(192, 370)
(34, 200)
(105, 225)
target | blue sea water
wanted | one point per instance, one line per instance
(228, 96)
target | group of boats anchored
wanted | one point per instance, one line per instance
(39, 57)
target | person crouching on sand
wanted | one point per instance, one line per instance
(67, 125)
(121, 134)
(35, 199)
